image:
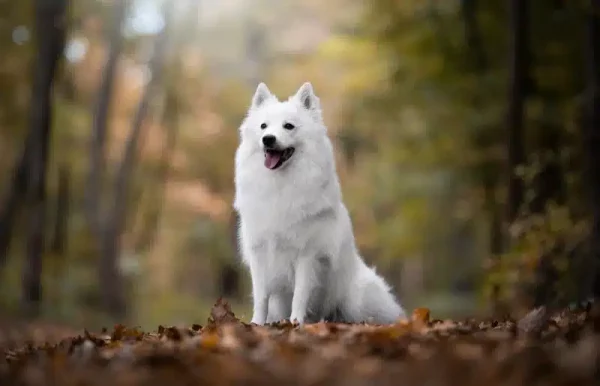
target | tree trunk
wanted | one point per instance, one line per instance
(518, 71)
(93, 194)
(548, 186)
(110, 278)
(59, 238)
(170, 120)
(50, 33)
(496, 242)
(151, 220)
(517, 78)
(13, 201)
(473, 34)
(592, 136)
(480, 64)
(495, 220)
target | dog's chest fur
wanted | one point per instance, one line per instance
(278, 255)
(280, 220)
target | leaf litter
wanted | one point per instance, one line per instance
(543, 348)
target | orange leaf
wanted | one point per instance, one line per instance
(420, 317)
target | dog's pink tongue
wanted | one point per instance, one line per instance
(272, 159)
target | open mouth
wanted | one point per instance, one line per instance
(274, 158)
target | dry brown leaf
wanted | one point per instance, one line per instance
(227, 351)
(221, 313)
(420, 317)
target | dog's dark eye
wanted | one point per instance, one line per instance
(263, 126)
(288, 126)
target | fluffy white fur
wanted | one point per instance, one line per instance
(295, 232)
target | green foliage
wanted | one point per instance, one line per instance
(555, 234)
(454, 97)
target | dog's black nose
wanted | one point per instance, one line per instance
(269, 140)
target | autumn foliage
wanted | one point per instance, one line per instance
(543, 348)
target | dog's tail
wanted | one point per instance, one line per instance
(371, 300)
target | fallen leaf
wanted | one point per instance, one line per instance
(221, 313)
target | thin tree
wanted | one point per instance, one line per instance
(171, 110)
(479, 61)
(170, 120)
(14, 193)
(592, 135)
(100, 117)
(480, 64)
(59, 237)
(473, 38)
(110, 278)
(517, 81)
(50, 34)
(12, 203)
(518, 72)
(548, 186)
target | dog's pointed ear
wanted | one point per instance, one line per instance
(306, 96)
(261, 95)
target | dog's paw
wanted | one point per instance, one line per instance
(298, 320)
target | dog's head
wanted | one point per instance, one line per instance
(282, 130)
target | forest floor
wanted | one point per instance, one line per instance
(559, 348)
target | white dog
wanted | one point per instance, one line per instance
(295, 232)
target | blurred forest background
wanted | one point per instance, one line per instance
(467, 134)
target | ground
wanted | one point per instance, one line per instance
(544, 348)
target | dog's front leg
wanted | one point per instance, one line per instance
(260, 296)
(310, 288)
